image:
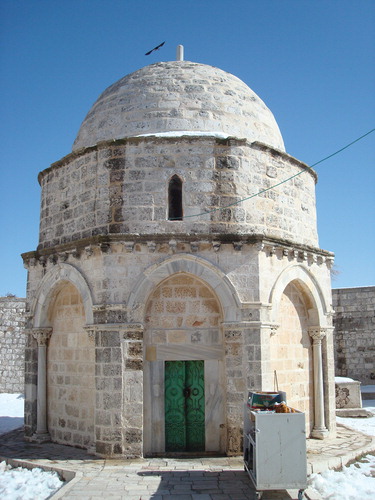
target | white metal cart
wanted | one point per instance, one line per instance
(275, 450)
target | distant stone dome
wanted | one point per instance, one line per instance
(179, 97)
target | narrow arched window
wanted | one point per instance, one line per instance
(175, 198)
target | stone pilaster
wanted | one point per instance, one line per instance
(132, 351)
(317, 334)
(242, 352)
(109, 389)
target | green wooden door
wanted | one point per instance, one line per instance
(184, 406)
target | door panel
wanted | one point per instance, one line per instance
(195, 422)
(175, 420)
(184, 406)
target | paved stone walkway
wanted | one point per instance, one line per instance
(211, 478)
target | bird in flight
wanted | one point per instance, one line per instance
(155, 48)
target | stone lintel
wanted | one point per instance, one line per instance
(249, 324)
(128, 330)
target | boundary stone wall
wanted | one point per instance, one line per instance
(354, 337)
(12, 344)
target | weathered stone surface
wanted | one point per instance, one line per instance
(348, 394)
(12, 344)
(137, 203)
(354, 338)
(136, 104)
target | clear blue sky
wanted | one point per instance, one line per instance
(312, 62)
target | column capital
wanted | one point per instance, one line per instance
(317, 333)
(90, 330)
(273, 329)
(42, 335)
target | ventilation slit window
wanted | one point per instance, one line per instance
(175, 198)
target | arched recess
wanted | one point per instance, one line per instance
(182, 303)
(63, 302)
(184, 263)
(317, 306)
(297, 305)
(47, 290)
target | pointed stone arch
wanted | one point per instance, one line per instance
(309, 286)
(184, 263)
(48, 287)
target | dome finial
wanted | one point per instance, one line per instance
(180, 53)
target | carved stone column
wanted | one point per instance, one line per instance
(42, 336)
(317, 334)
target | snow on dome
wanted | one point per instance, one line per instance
(175, 97)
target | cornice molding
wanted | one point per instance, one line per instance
(104, 244)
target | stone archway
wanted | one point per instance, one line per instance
(47, 287)
(318, 307)
(185, 263)
(183, 320)
(65, 393)
(301, 311)
(291, 353)
(70, 371)
(225, 295)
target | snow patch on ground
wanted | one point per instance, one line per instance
(365, 425)
(25, 484)
(19, 483)
(340, 380)
(354, 482)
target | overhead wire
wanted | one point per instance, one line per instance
(307, 168)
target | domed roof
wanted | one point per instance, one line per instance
(179, 98)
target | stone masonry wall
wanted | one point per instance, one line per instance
(122, 188)
(12, 344)
(354, 336)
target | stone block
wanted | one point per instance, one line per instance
(348, 394)
(103, 449)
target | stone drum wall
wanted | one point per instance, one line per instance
(12, 344)
(354, 337)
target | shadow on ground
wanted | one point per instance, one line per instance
(204, 485)
(13, 445)
(8, 424)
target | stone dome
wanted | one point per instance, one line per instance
(179, 98)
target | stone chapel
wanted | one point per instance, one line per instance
(171, 277)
